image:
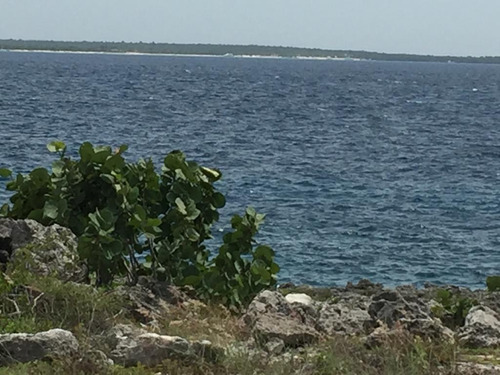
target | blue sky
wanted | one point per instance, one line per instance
(440, 27)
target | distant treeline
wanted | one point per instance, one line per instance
(223, 49)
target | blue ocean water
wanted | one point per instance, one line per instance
(379, 170)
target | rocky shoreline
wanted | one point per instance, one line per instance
(156, 322)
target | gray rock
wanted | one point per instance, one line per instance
(149, 349)
(481, 329)
(292, 332)
(471, 368)
(275, 346)
(142, 304)
(23, 347)
(300, 298)
(131, 345)
(264, 303)
(335, 318)
(428, 328)
(270, 316)
(389, 307)
(43, 250)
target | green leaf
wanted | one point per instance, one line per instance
(86, 152)
(56, 146)
(181, 206)
(192, 234)
(40, 176)
(219, 200)
(250, 211)
(212, 174)
(5, 173)
(264, 252)
(50, 210)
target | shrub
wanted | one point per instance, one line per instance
(120, 210)
(454, 307)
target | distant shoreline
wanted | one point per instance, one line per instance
(219, 50)
(182, 55)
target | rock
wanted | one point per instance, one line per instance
(270, 316)
(44, 250)
(481, 329)
(428, 328)
(171, 294)
(364, 287)
(389, 307)
(379, 336)
(131, 345)
(300, 298)
(23, 347)
(471, 368)
(275, 346)
(149, 349)
(292, 332)
(264, 303)
(335, 318)
(205, 349)
(142, 304)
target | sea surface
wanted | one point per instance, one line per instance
(379, 170)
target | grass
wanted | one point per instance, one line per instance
(43, 303)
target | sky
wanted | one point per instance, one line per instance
(437, 27)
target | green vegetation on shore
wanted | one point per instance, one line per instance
(121, 210)
(236, 50)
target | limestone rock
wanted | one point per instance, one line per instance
(45, 250)
(270, 317)
(389, 307)
(23, 347)
(291, 331)
(149, 349)
(275, 346)
(337, 318)
(131, 345)
(428, 328)
(481, 329)
(471, 368)
(300, 298)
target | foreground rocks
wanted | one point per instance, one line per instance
(131, 346)
(23, 347)
(481, 330)
(45, 251)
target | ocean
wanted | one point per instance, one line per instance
(379, 170)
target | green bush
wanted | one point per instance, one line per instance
(120, 210)
(454, 307)
(493, 283)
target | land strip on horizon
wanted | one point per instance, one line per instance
(230, 50)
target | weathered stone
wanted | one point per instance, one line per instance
(142, 304)
(364, 287)
(275, 346)
(389, 307)
(428, 328)
(472, 368)
(481, 329)
(43, 250)
(277, 326)
(205, 349)
(381, 335)
(300, 298)
(23, 347)
(131, 345)
(337, 318)
(149, 349)
(264, 303)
